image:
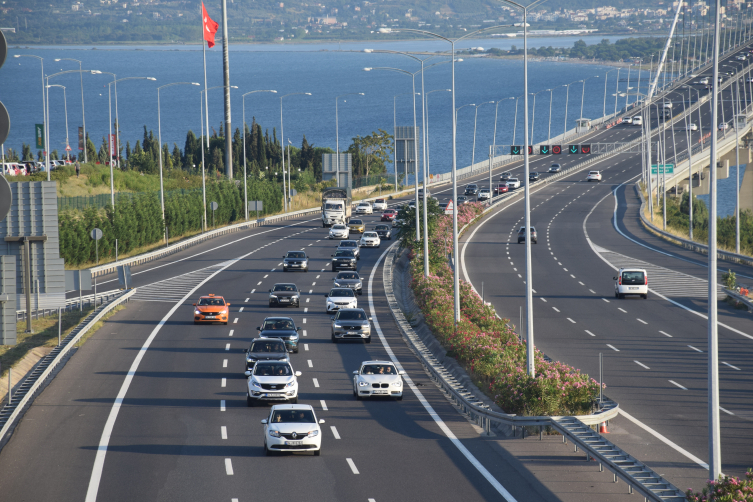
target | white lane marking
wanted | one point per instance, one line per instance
(589, 333)
(231, 332)
(641, 320)
(305, 346)
(571, 320)
(641, 365)
(733, 367)
(310, 291)
(270, 271)
(247, 299)
(307, 300)
(622, 310)
(316, 382)
(318, 276)
(726, 411)
(555, 309)
(613, 347)
(665, 334)
(224, 382)
(235, 321)
(592, 291)
(605, 300)
(571, 275)
(680, 386)
(223, 432)
(697, 350)
(352, 465)
(581, 283)
(228, 467)
(429, 409)
(566, 270)
(224, 363)
(240, 309)
(227, 346)
(304, 333)
(543, 300)
(259, 283)
(334, 432)
(324, 405)
(306, 309)
(304, 320)
(311, 364)
(222, 405)
(252, 291)
(313, 283)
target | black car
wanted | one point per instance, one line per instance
(533, 176)
(295, 260)
(282, 295)
(266, 349)
(471, 189)
(522, 235)
(344, 258)
(282, 328)
(349, 280)
(384, 232)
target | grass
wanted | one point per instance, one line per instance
(99, 324)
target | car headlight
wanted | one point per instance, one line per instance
(338, 325)
(274, 433)
(294, 297)
(313, 434)
(358, 285)
(290, 384)
(223, 312)
(255, 383)
(197, 312)
(399, 383)
(273, 296)
(362, 384)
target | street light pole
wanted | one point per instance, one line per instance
(475, 119)
(282, 148)
(83, 113)
(337, 133)
(65, 104)
(583, 94)
(245, 175)
(567, 99)
(426, 97)
(45, 109)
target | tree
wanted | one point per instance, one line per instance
(177, 160)
(26, 152)
(91, 149)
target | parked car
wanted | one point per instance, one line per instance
(483, 195)
(349, 280)
(292, 428)
(513, 183)
(282, 328)
(555, 168)
(340, 298)
(344, 258)
(370, 240)
(522, 235)
(384, 232)
(351, 324)
(265, 349)
(593, 176)
(350, 245)
(295, 260)
(471, 189)
(380, 205)
(389, 215)
(378, 379)
(631, 281)
(364, 208)
(339, 231)
(284, 295)
(272, 381)
(533, 176)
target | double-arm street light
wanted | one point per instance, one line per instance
(44, 109)
(65, 104)
(337, 132)
(83, 113)
(533, 112)
(428, 158)
(285, 188)
(567, 100)
(475, 120)
(159, 136)
(394, 127)
(245, 176)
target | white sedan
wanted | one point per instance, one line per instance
(724, 126)
(593, 176)
(378, 378)
(370, 240)
(272, 381)
(364, 208)
(692, 127)
(380, 205)
(339, 231)
(340, 298)
(292, 427)
(513, 183)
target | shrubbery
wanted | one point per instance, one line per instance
(727, 489)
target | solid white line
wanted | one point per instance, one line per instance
(227, 346)
(228, 467)
(224, 382)
(305, 346)
(235, 321)
(224, 363)
(352, 465)
(590, 333)
(231, 332)
(697, 350)
(316, 382)
(311, 365)
(733, 367)
(680, 386)
(613, 347)
(641, 365)
(334, 432)
(304, 333)
(429, 409)
(641, 320)
(222, 405)
(223, 432)
(726, 411)
(324, 405)
(665, 334)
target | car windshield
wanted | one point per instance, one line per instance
(594, 172)
(379, 201)
(272, 369)
(338, 227)
(364, 204)
(348, 244)
(344, 252)
(382, 227)
(370, 234)
(351, 315)
(212, 301)
(285, 287)
(389, 211)
(347, 275)
(378, 369)
(523, 230)
(267, 346)
(278, 324)
(341, 292)
(633, 278)
(356, 222)
(296, 254)
(333, 207)
(293, 416)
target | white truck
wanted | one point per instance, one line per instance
(336, 206)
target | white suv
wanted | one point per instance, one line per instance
(631, 281)
(593, 176)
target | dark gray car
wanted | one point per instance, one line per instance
(384, 232)
(266, 349)
(284, 294)
(344, 258)
(295, 260)
(351, 245)
(351, 324)
(349, 280)
(282, 328)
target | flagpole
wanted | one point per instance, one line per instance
(206, 107)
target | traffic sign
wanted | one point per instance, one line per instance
(574, 149)
(663, 169)
(6, 198)
(530, 149)
(4, 123)
(556, 149)
(213, 206)
(96, 234)
(67, 148)
(516, 150)
(544, 150)
(585, 149)
(450, 208)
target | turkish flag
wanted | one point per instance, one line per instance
(210, 27)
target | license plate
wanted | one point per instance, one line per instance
(352, 332)
(380, 391)
(632, 288)
(271, 395)
(294, 443)
(209, 317)
(284, 300)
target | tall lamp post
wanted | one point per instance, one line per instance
(475, 120)
(533, 114)
(282, 146)
(604, 110)
(337, 132)
(44, 110)
(159, 136)
(567, 100)
(245, 176)
(583, 93)
(428, 166)
(494, 141)
(394, 127)
(65, 104)
(203, 104)
(83, 113)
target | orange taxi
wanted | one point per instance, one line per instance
(211, 308)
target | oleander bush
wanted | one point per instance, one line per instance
(726, 489)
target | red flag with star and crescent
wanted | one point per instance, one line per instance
(210, 27)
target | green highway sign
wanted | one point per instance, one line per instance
(663, 169)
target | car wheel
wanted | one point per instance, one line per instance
(621, 296)
(270, 304)
(294, 400)
(333, 269)
(267, 451)
(399, 398)
(334, 340)
(249, 401)
(295, 351)
(645, 297)
(195, 322)
(368, 340)
(318, 453)
(616, 295)
(306, 269)
(225, 323)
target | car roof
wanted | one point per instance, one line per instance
(356, 221)
(363, 204)
(211, 295)
(377, 362)
(349, 241)
(292, 407)
(267, 339)
(633, 269)
(352, 310)
(284, 284)
(349, 272)
(278, 317)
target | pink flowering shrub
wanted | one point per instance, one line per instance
(490, 350)
(727, 489)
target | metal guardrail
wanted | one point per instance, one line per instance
(740, 298)
(72, 303)
(637, 475)
(26, 391)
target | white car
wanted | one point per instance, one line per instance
(380, 205)
(340, 298)
(378, 378)
(513, 183)
(339, 231)
(593, 176)
(704, 81)
(370, 240)
(724, 126)
(741, 57)
(637, 120)
(292, 427)
(631, 281)
(627, 120)
(272, 381)
(364, 208)
(692, 127)
(483, 194)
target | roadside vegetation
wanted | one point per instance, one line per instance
(726, 489)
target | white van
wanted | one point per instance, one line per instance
(631, 281)
(637, 120)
